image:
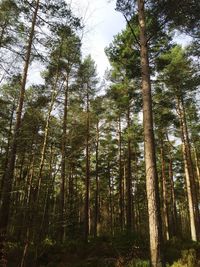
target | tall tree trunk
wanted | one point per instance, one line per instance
(155, 224)
(72, 194)
(26, 220)
(129, 177)
(110, 200)
(50, 198)
(46, 133)
(189, 172)
(197, 164)
(36, 191)
(63, 161)
(8, 147)
(173, 199)
(164, 191)
(121, 191)
(136, 204)
(87, 180)
(6, 197)
(96, 215)
(22, 264)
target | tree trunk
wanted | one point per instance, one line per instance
(63, 161)
(110, 200)
(173, 199)
(6, 197)
(155, 224)
(8, 147)
(25, 217)
(121, 191)
(72, 194)
(164, 191)
(87, 180)
(129, 177)
(46, 133)
(197, 165)
(22, 264)
(96, 215)
(189, 173)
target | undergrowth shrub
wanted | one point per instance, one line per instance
(138, 263)
(188, 259)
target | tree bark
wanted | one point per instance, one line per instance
(110, 200)
(173, 198)
(164, 191)
(9, 176)
(197, 164)
(96, 215)
(22, 264)
(129, 177)
(121, 190)
(87, 180)
(155, 225)
(8, 146)
(46, 133)
(63, 161)
(189, 172)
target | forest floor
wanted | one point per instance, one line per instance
(105, 252)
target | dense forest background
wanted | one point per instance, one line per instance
(75, 187)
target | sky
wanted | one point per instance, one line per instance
(102, 23)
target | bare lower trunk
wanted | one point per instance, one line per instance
(44, 145)
(63, 162)
(155, 225)
(110, 200)
(164, 190)
(197, 165)
(121, 191)
(96, 215)
(173, 199)
(87, 180)
(46, 131)
(189, 173)
(8, 147)
(129, 178)
(189, 195)
(25, 249)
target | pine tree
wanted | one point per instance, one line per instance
(12, 157)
